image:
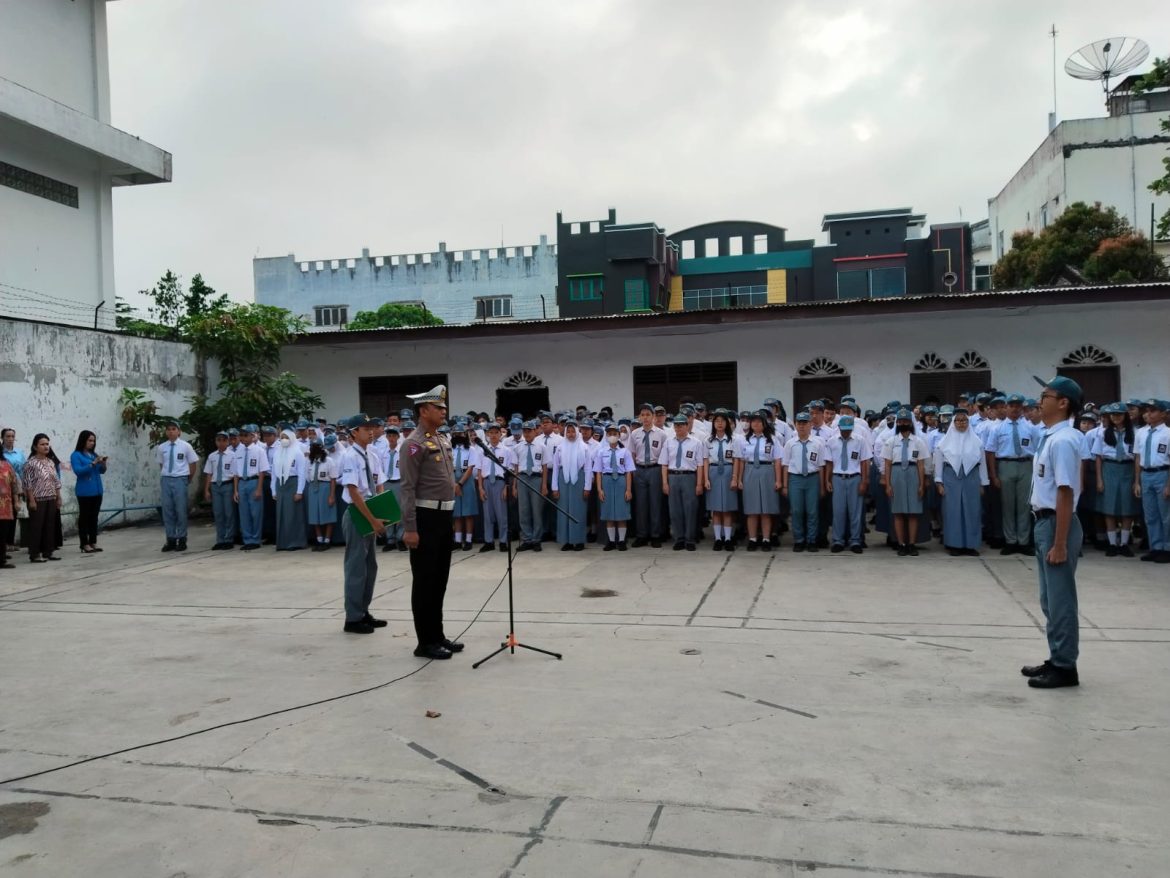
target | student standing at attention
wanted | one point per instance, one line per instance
(177, 463)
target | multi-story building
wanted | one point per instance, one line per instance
(59, 161)
(460, 286)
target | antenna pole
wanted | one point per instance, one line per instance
(1052, 33)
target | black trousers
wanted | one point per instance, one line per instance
(87, 519)
(430, 565)
(42, 528)
(7, 532)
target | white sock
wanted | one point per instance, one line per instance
(320, 539)
(1124, 538)
(621, 534)
(1112, 537)
(612, 531)
(726, 532)
(458, 536)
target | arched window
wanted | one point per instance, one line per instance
(522, 379)
(819, 378)
(1096, 370)
(931, 382)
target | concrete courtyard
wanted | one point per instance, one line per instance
(719, 714)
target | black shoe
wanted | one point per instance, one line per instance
(837, 548)
(717, 546)
(856, 550)
(974, 553)
(765, 545)
(812, 547)
(1149, 556)
(1055, 678)
(656, 544)
(621, 546)
(358, 628)
(1111, 551)
(591, 538)
(912, 550)
(1162, 557)
(487, 547)
(402, 547)
(170, 547)
(375, 623)
(1008, 549)
(798, 547)
(690, 547)
(249, 547)
(953, 552)
(536, 547)
(182, 546)
(680, 545)
(640, 542)
(269, 541)
(524, 547)
(433, 651)
(389, 547)
(903, 551)
(503, 547)
(610, 545)
(567, 547)
(753, 545)
(1125, 551)
(580, 547)
(1036, 670)
(452, 645)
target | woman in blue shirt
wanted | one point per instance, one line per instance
(88, 466)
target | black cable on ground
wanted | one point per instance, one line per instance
(252, 719)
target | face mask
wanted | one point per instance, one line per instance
(285, 442)
(612, 440)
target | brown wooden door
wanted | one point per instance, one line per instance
(713, 384)
(1100, 384)
(804, 390)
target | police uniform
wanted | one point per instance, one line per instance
(176, 461)
(360, 474)
(680, 461)
(220, 470)
(427, 497)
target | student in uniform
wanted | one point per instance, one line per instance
(548, 439)
(803, 482)
(645, 446)
(1056, 482)
(613, 468)
(681, 462)
(177, 463)
(361, 477)
(570, 481)
(465, 459)
(219, 485)
(319, 495)
(960, 472)
(1152, 466)
(391, 453)
(289, 469)
(759, 480)
(905, 481)
(1088, 509)
(847, 461)
(721, 475)
(1010, 442)
(1113, 453)
(252, 469)
(531, 487)
(269, 445)
(492, 485)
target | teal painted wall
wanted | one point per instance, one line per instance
(746, 262)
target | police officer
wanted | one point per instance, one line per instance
(427, 498)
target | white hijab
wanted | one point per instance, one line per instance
(572, 457)
(962, 449)
(284, 460)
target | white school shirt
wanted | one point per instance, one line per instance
(825, 432)
(997, 440)
(793, 458)
(463, 459)
(354, 471)
(299, 471)
(184, 456)
(770, 449)
(253, 460)
(380, 446)
(694, 453)
(391, 457)
(1057, 464)
(724, 454)
(585, 475)
(520, 455)
(599, 463)
(784, 431)
(322, 470)
(637, 444)
(549, 443)
(915, 450)
(1099, 448)
(857, 451)
(1159, 446)
(701, 430)
(230, 462)
(488, 468)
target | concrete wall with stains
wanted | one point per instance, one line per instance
(61, 380)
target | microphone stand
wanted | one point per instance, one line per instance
(511, 642)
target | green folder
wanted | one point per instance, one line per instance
(383, 506)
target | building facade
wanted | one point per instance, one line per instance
(59, 161)
(1111, 339)
(1109, 160)
(460, 286)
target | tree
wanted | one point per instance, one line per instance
(246, 341)
(171, 308)
(394, 315)
(1159, 77)
(1069, 242)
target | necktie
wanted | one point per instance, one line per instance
(844, 454)
(492, 471)
(219, 471)
(316, 469)
(905, 451)
(1017, 449)
(171, 466)
(458, 460)
(369, 475)
(529, 457)
(719, 453)
(613, 462)
(1149, 447)
(390, 466)
(804, 458)
(1119, 446)
(757, 449)
(678, 457)
(645, 447)
(1040, 445)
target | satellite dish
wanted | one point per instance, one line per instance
(1104, 59)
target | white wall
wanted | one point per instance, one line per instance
(61, 380)
(58, 48)
(879, 352)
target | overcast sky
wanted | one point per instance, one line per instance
(314, 128)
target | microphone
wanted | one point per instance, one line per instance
(478, 441)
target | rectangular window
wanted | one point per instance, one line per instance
(331, 315)
(711, 247)
(853, 285)
(725, 297)
(33, 183)
(871, 283)
(637, 295)
(586, 288)
(386, 394)
(493, 307)
(760, 244)
(735, 246)
(714, 384)
(983, 277)
(688, 250)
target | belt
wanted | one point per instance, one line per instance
(1014, 459)
(440, 505)
(394, 481)
(1155, 469)
(646, 465)
(1128, 462)
(529, 474)
(846, 475)
(185, 478)
(682, 472)
(1043, 513)
(761, 463)
(493, 478)
(250, 479)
